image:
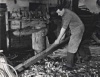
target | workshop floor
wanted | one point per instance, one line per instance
(54, 67)
(18, 56)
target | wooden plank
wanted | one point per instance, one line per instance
(39, 56)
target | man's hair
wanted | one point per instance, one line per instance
(60, 7)
(98, 2)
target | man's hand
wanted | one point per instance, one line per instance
(57, 41)
(60, 37)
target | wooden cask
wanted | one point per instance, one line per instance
(39, 38)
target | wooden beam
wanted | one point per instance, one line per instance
(39, 56)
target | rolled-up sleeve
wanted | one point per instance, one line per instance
(66, 20)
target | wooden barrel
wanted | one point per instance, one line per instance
(39, 39)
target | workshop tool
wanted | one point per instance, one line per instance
(39, 56)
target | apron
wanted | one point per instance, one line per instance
(75, 39)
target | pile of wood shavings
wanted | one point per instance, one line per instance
(54, 68)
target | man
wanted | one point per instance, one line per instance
(72, 21)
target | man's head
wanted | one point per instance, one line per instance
(60, 10)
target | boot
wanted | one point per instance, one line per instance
(69, 61)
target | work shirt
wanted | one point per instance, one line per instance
(70, 19)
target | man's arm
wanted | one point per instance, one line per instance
(66, 20)
(60, 35)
